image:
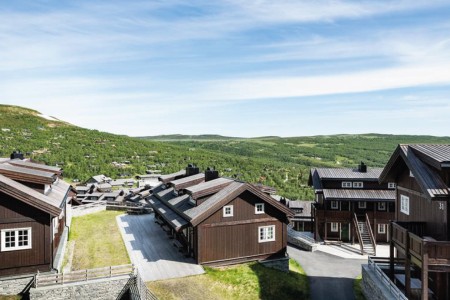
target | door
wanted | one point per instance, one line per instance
(345, 232)
(362, 227)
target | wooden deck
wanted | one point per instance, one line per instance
(151, 251)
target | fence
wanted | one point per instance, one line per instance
(374, 264)
(144, 292)
(82, 275)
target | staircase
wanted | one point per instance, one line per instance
(365, 235)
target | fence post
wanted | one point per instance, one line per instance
(36, 279)
(86, 275)
(110, 271)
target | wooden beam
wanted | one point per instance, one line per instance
(241, 222)
(425, 271)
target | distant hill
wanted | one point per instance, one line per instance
(283, 163)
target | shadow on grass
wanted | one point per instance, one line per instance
(276, 284)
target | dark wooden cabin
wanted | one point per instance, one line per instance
(221, 221)
(351, 205)
(32, 216)
(421, 232)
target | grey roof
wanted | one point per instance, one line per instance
(356, 194)
(424, 162)
(175, 220)
(299, 204)
(172, 175)
(187, 180)
(59, 191)
(32, 165)
(6, 168)
(372, 174)
(208, 187)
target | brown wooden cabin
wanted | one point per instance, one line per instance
(351, 205)
(32, 216)
(221, 221)
(421, 232)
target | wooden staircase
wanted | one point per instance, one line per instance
(365, 235)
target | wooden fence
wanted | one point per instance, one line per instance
(82, 275)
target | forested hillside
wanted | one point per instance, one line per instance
(280, 162)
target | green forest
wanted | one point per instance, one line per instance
(283, 163)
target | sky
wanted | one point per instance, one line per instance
(236, 68)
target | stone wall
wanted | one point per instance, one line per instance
(281, 264)
(14, 285)
(109, 288)
(297, 239)
(373, 287)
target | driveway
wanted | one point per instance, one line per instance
(330, 277)
(151, 251)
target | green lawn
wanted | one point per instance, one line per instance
(10, 297)
(245, 281)
(98, 242)
(357, 286)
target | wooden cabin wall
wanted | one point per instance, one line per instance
(16, 214)
(231, 238)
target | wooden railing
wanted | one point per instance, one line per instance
(372, 238)
(374, 264)
(82, 275)
(438, 252)
(358, 233)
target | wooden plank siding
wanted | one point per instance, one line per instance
(230, 239)
(16, 214)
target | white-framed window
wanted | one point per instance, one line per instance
(228, 211)
(382, 228)
(259, 208)
(15, 239)
(404, 204)
(334, 227)
(358, 185)
(266, 233)
(334, 205)
(362, 204)
(391, 185)
(411, 174)
(346, 184)
(381, 205)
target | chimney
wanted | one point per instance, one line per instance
(192, 170)
(211, 174)
(362, 168)
(16, 154)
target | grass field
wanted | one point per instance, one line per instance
(358, 288)
(245, 281)
(98, 242)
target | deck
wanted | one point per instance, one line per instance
(151, 251)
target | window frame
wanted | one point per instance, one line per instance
(263, 233)
(381, 208)
(333, 225)
(346, 184)
(360, 206)
(334, 206)
(404, 204)
(358, 185)
(381, 229)
(224, 211)
(3, 232)
(259, 212)
(392, 185)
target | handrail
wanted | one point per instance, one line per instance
(372, 238)
(372, 263)
(355, 222)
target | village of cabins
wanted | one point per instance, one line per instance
(220, 221)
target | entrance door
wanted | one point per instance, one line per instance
(345, 232)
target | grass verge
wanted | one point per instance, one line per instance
(98, 242)
(245, 281)
(357, 287)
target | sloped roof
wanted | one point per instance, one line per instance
(35, 166)
(208, 188)
(174, 219)
(187, 181)
(372, 174)
(26, 174)
(356, 194)
(169, 177)
(423, 161)
(29, 196)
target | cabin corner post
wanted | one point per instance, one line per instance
(391, 253)
(407, 266)
(425, 271)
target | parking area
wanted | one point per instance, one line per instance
(151, 250)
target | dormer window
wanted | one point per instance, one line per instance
(358, 185)
(228, 211)
(391, 185)
(259, 208)
(346, 184)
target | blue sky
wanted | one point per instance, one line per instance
(238, 68)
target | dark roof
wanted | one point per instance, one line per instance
(423, 161)
(175, 220)
(36, 166)
(26, 174)
(299, 204)
(314, 180)
(169, 177)
(208, 188)
(30, 196)
(187, 181)
(356, 194)
(372, 174)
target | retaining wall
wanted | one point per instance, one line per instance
(373, 287)
(281, 264)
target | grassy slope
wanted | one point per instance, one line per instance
(246, 281)
(358, 288)
(98, 242)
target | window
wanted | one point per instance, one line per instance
(358, 185)
(381, 205)
(266, 233)
(382, 228)
(334, 205)
(228, 211)
(346, 184)
(391, 185)
(16, 239)
(334, 227)
(259, 208)
(362, 204)
(404, 204)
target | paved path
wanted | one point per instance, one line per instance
(330, 277)
(152, 251)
